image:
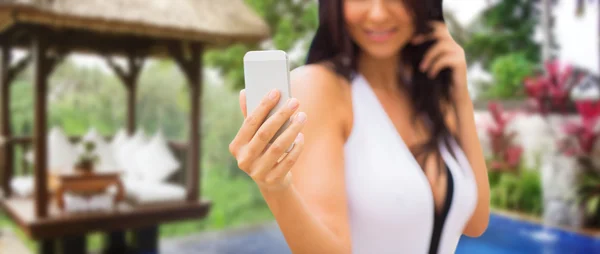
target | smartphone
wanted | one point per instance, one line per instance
(264, 71)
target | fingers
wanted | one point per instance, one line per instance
(439, 31)
(267, 130)
(422, 38)
(440, 64)
(282, 169)
(438, 25)
(257, 117)
(278, 148)
(433, 53)
(243, 105)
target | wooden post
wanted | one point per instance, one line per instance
(195, 84)
(6, 156)
(38, 50)
(7, 75)
(129, 79)
(131, 95)
(115, 242)
(47, 246)
(192, 68)
(42, 67)
(145, 240)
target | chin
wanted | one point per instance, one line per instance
(382, 53)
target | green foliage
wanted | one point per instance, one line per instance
(509, 71)
(88, 158)
(236, 201)
(520, 192)
(163, 100)
(222, 119)
(505, 27)
(290, 21)
(589, 196)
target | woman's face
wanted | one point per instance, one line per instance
(381, 28)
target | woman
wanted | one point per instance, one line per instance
(382, 76)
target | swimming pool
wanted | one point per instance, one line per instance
(509, 236)
(503, 236)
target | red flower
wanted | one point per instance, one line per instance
(506, 155)
(554, 87)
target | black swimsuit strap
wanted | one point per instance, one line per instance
(440, 218)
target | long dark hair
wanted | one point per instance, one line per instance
(333, 44)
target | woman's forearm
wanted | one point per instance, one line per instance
(303, 232)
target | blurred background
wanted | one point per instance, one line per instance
(533, 76)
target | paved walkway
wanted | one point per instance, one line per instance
(259, 239)
(10, 243)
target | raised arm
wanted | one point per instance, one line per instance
(309, 200)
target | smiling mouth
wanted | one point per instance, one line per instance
(380, 35)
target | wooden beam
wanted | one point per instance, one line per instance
(84, 41)
(6, 152)
(191, 66)
(121, 74)
(121, 218)
(18, 67)
(135, 62)
(40, 70)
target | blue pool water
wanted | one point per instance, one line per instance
(509, 236)
(503, 236)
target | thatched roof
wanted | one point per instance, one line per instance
(211, 21)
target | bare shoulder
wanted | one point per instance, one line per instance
(320, 89)
(316, 79)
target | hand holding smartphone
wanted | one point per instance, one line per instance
(260, 145)
(263, 72)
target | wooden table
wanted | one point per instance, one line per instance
(84, 183)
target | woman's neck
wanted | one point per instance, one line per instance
(381, 73)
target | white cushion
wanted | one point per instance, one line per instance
(103, 150)
(117, 142)
(127, 153)
(149, 192)
(119, 139)
(61, 153)
(98, 202)
(154, 161)
(22, 186)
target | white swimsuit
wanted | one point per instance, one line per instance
(390, 201)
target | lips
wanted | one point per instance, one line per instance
(380, 35)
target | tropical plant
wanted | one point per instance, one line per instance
(579, 140)
(520, 192)
(505, 27)
(589, 197)
(549, 91)
(565, 89)
(292, 24)
(506, 156)
(88, 158)
(508, 72)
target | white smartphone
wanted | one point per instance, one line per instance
(264, 71)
